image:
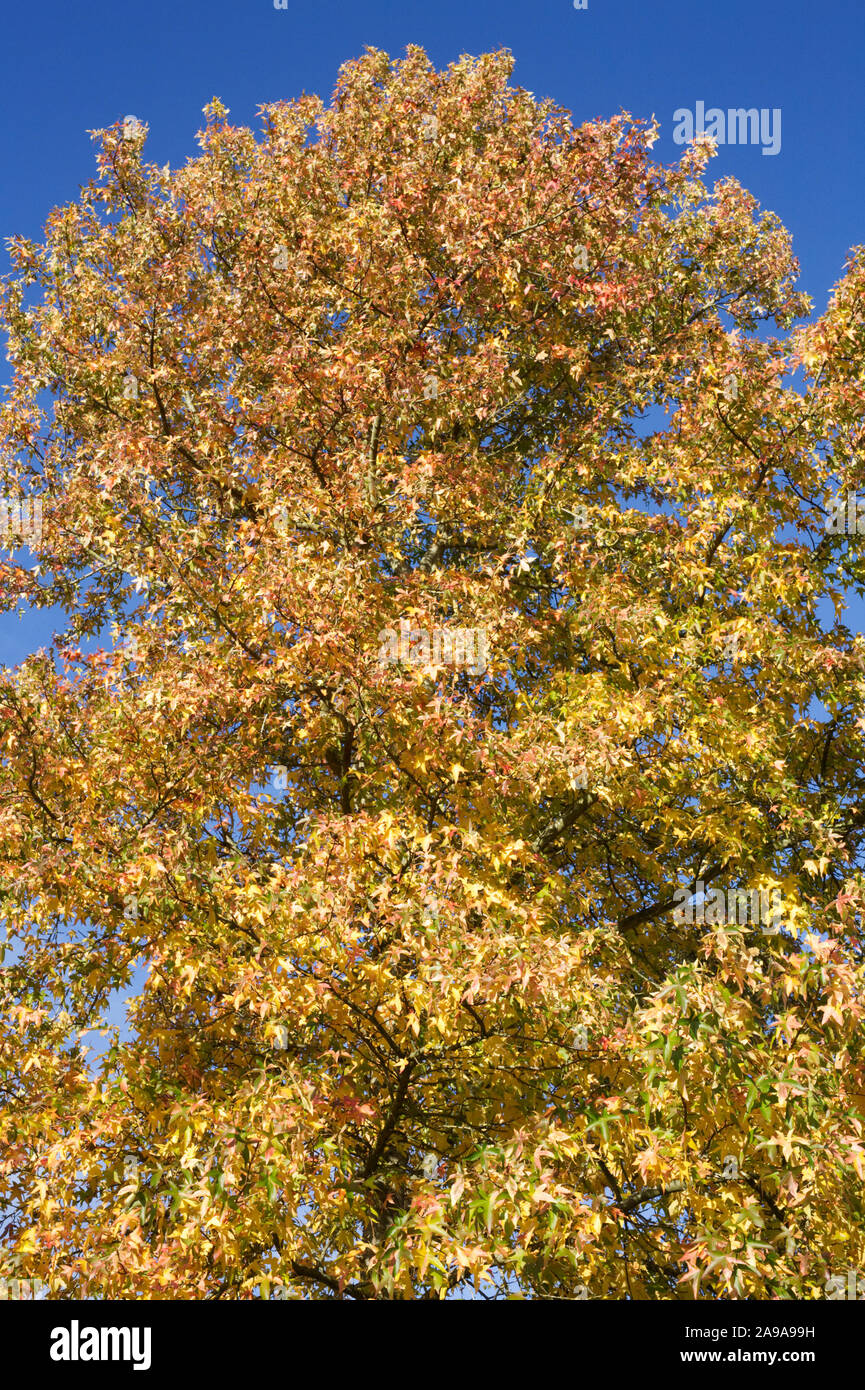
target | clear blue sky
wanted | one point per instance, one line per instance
(69, 67)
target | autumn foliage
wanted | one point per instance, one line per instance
(409, 1010)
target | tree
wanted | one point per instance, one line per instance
(447, 787)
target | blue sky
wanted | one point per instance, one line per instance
(67, 68)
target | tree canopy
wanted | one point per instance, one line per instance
(450, 640)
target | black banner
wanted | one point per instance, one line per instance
(90, 1341)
